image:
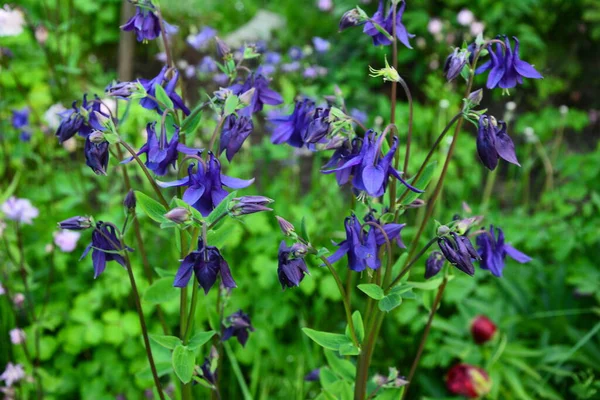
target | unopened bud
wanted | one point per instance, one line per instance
(249, 205)
(179, 215)
(122, 90)
(129, 201)
(222, 49)
(476, 97)
(246, 97)
(286, 227)
(76, 223)
(416, 204)
(443, 230)
(352, 18)
(299, 250)
(434, 264)
(97, 137)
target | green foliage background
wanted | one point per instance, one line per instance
(547, 311)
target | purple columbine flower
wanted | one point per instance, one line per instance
(96, 155)
(170, 85)
(205, 186)
(144, 23)
(346, 152)
(295, 53)
(104, 245)
(291, 267)
(74, 121)
(434, 264)
(201, 40)
(207, 263)
(494, 143)
(20, 118)
(207, 65)
(262, 94)
(371, 171)
(239, 325)
(272, 58)
(160, 153)
(236, 130)
(493, 251)
(318, 126)
(387, 23)
(454, 64)
(363, 242)
(459, 252)
(506, 68)
(291, 128)
(321, 45)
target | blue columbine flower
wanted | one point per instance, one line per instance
(201, 40)
(96, 155)
(291, 267)
(81, 120)
(234, 133)
(161, 79)
(434, 264)
(272, 58)
(160, 153)
(207, 65)
(494, 143)
(289, 128)
(145, 23)
(455, 63)
(346, 152)
(262, 94)
(371, 171)
(239, 325)
(387, 23)
(363, 242)
(20, 118)
(104, 245)
(459, 252)
(205, 186)
(506, 68)
(493, 251)
(207, 263)
(321, 45)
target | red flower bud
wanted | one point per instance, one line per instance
(468, 380)
(482, 329)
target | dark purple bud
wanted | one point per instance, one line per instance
(122, 90)
(286, 227)
(434, 264)
(455, 63)
(250, 205)
(76, 223)
(239, 325)
(222, 49)
(313, 375)
(96, 156)
(350, 18)
(418, 203)
(129, 201)
(179, 215)
(494, 143)
(299, 250)
(97, 137)
(476, 97)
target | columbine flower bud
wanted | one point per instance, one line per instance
(469, 381)
(222, 49)
(97, 137)
(76, 223)
(122, 90)
(482, 329)
(299, 250)
(247, 96)
(352, 18)
(455, 63)
(463, 225)
(129, 201)
(286, 227)
(443, 230)
(416, 204)
(179, 215)
(434, 264)
(476, 97)
(250, 205)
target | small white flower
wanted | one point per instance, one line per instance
(20, 210)
(2, 291)
(435, 26)
(11, 21)
(18, 299)
(511, 106)
(444, 103)
(465, 17)
(477, 28)
(13, 373)
(17, 336)
(66, 240)
(564, 110)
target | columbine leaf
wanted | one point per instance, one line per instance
(162, 96)
(151, 207)
(331, 341)
(231, 104)
(200, 338)
(372, 290)
(161, 291)
(220, 209)
(192, 121)
(184, 361)
(389, 302)
(421, 183)
(343, 368)
(169, 342)
(359, 327)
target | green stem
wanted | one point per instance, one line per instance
(410, 264)
(340, 286)
(410, 125)
(487, 191)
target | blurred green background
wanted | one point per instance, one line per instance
(548, 345)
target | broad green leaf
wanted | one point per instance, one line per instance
(431, 284)
(151, 207)
(389, 302)
(220, 209)
(421, 183)
(200, 338)
(184, 361)
(343, 368)
(327, 377)
(303, 230)
(331, 341)
(162, 96)
(372, 290)
(348, 349)
(231, 104)
(192, 122)
(161, 291)
(359, 327)
(162, 369)
(170, 342)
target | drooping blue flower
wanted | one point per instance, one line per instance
(239, 325)
(205, 186)
(201, 40)
(363, 242)
(262, 94)
(493, 251)
(20, 118)
(104, 245)
(80, 120)
(371, 171)
(318, 126)
(505, 66)
(321, 45)
(207, 264)
(289, 128)
(347, 151)
(434, 264)
(96, 155)
(494, 143)
(387, 23)
(160, 153)
(144, 23)
(169, 86)
(459, 252)
(234, 133)
(291, 267)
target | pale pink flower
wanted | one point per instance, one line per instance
(66, 240)
(19, 299)
(465, 17)
(17, 336)
(435, 26)
(13, 373)
(477, 28)
(20, 210)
